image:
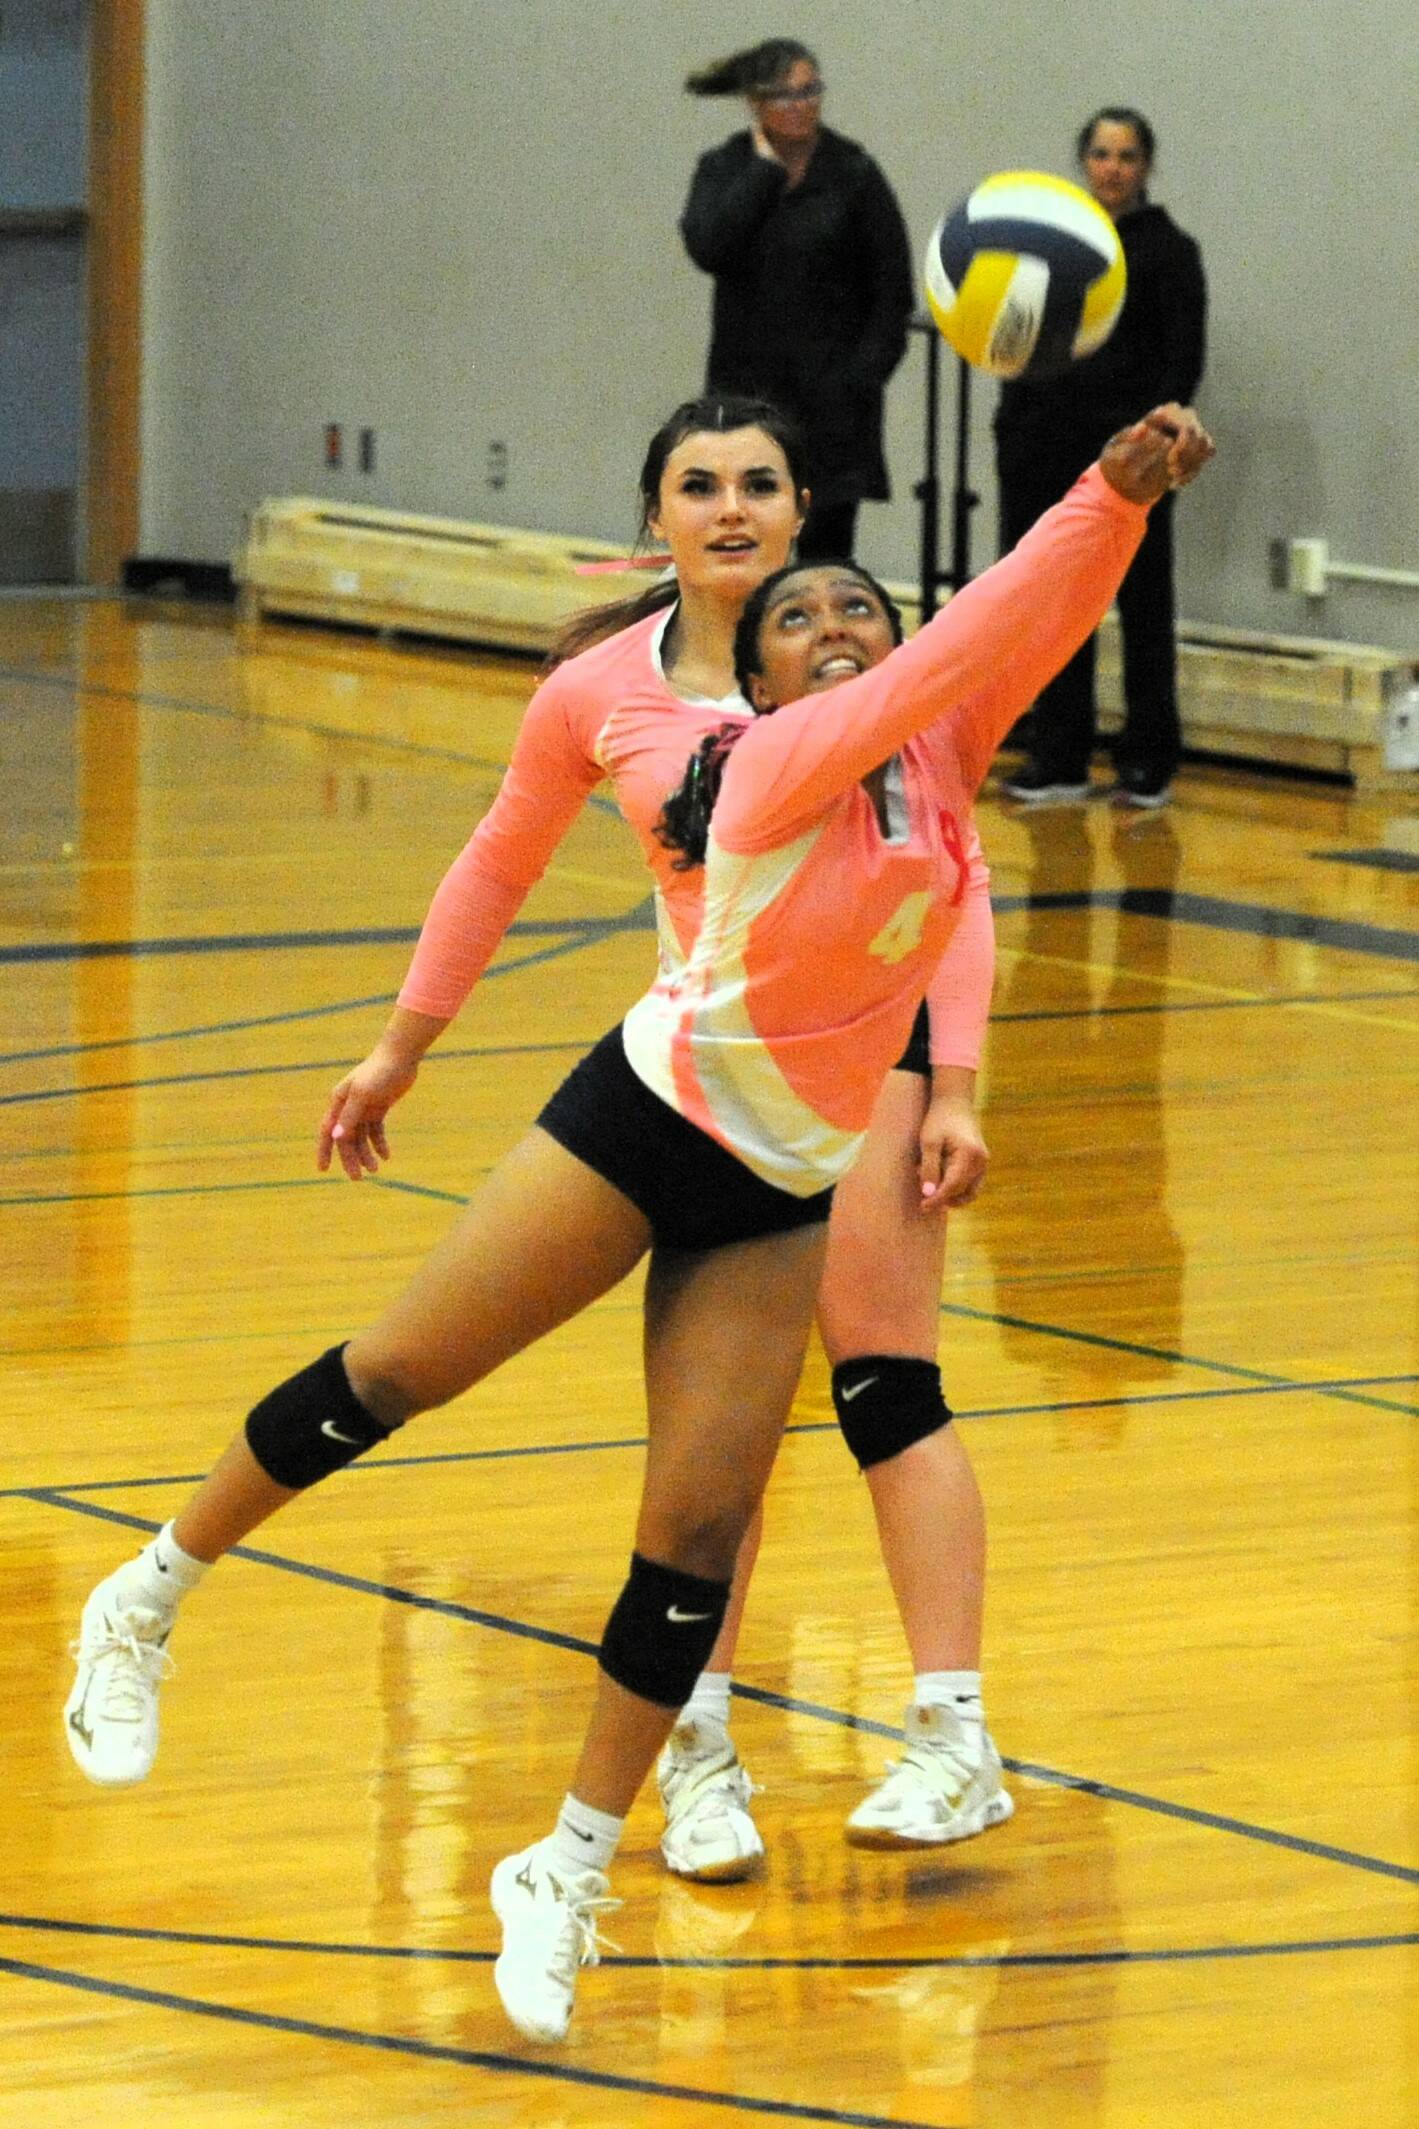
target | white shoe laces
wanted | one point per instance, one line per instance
(927, 1760)
(136, 1667)
(579, 1941)
(711, 1786)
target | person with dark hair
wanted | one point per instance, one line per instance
(1047, 431)
(708, 1130)
(665, 670)
(633, 686)
(813, 286)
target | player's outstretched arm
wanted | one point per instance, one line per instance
(1167, 449)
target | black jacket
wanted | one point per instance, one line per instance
(812, 295)
(1154, 353)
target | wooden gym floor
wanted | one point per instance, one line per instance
(1179, 1329)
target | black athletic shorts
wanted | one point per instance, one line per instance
(916, 1057)
(694, 1193)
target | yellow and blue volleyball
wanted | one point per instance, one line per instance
(1025, 275)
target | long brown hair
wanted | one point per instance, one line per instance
(716, 413)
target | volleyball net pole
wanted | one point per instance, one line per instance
(927, 490)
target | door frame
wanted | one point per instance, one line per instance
(113, 390)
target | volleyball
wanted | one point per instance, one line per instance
(1025, 275)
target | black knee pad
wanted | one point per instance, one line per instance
(885, 1403)
(661, 1630)
(312, 1424)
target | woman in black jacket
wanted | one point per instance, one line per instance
(813, 285)
(1047, 432)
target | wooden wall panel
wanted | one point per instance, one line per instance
(113, 459)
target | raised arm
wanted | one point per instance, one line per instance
(548, 778)
(731, 194)
(977, 663)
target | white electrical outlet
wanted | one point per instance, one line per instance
(1401, 727)
(1309, 567)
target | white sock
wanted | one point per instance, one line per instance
(583, 1839)
(958, 1690)
(709, 1702)
(161, 1575)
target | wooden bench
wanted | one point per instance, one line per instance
(388, 570)
(1291, 701)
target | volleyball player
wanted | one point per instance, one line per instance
(709, 1130)
(722, 483)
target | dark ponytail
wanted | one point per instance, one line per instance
(685, 817)
(714, 414)
(745, 73)
(594, 624)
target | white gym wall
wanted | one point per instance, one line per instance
(454, 223)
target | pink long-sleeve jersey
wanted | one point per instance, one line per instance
(609, 713)
(820, 930)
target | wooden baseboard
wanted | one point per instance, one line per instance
(167, 576)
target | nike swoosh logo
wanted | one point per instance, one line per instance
(857, 1389)
(583, 1836)
(680, 1618)
(76, 1720)
(328, 1426)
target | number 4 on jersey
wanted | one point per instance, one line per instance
(901, 934)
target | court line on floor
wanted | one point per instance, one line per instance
(452, 1955)
(1383, 859)
(1344, 1389)
(569, 931)
(1342, 1392)
(493, 765)
(570, 937)
(214, 1027)
(1154, 1352)
(167, 1190)
(368, 1466)
(196, 943)
(1283, 1386)
(511, 1452)
(551, 1637)
(1214, 913)
(1276, 1002)
(1209, 912)
(575, 933)
(640, 917)
(1195, 1005)
(611, 928)
(435, 2051)
(1143, 901)
(317, 1064)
